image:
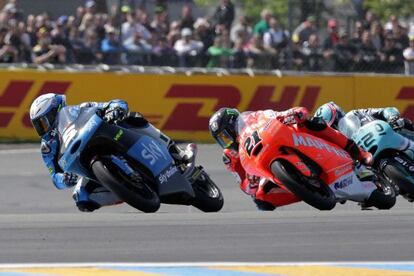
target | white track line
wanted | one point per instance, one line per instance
(196, 264)
(19, 151)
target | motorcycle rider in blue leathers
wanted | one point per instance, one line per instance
(88, 195)
(331, 113)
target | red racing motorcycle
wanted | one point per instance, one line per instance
(316, 171)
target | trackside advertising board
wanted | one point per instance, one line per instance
(181, 105)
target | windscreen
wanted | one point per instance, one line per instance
(349, 125)
(66, 117)
(241, 122)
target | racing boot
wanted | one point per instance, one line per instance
(82, 201)
(90, 196)
(186, 156)
(363, 173)
(358, 153)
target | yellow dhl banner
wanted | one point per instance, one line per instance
(181, 105)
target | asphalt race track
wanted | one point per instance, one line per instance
(39, 223)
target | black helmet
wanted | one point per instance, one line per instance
(223, 127)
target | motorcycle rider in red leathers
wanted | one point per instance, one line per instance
(266, 194)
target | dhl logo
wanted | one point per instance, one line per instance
(185, 116)
(16, 92)
(190, 99)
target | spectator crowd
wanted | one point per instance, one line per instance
(134, 37)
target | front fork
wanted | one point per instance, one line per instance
(122, 164)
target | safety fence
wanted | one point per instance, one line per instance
(181, 104)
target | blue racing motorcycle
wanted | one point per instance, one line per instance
(131, 162)
(393, 153)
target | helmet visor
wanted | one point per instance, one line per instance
(44, 124)
(41, 125)
(224, 139)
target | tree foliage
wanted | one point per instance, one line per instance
(384, 8)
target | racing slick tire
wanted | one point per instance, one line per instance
(321, 197)
(400, 176)
(208, 197)
(135, 193)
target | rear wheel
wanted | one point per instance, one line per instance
(381, 200)
(312, 191)
(400, 176)
(208, 197)
(135, 193)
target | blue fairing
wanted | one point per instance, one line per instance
(378, 136)
(70, 161)
(153, 154)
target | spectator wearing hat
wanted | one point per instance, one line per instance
(306, 29)
(391, 56)
(160, 24)
(187, 49)
(263, 25)
(409, 57)
(332, 39)
(224, 14)
(45, 52)
(187, 19)
(90, 6)
(110, 48)
(344, 53)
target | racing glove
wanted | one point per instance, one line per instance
(396, 122)
(295, 116)
(70, 179)
(231, 160)
(114, 114)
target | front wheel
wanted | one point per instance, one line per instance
(318, 195)
(138, 195)
(208, 197)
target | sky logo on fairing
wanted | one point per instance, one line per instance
(152, 152)
(306, 141)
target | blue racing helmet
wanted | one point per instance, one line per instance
(331, 113)
(44, 110)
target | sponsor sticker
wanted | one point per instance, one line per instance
(163, 177)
